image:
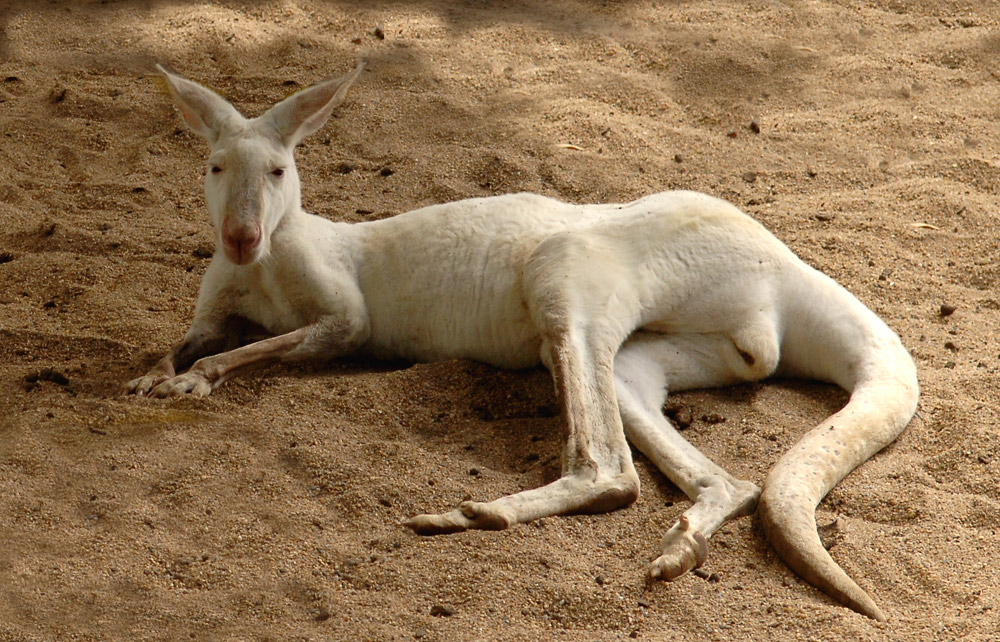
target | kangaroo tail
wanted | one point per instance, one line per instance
(873, 365)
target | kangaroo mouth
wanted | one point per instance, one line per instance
(242, 255)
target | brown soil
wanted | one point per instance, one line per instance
(860, 131)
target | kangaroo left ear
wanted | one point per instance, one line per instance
(301, 114)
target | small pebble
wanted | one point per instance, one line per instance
(828, 534)
(31, 381)
(440, 610)
(705, 575)
(947, 310)
(679, 415)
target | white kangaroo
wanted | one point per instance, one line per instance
(620, 302)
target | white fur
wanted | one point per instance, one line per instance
(620, 302)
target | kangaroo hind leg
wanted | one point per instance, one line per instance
(582, 325)
(645, 368)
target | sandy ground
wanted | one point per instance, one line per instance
(862, 132)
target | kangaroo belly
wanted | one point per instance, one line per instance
(465, 301)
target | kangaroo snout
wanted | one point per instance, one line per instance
(240, 240)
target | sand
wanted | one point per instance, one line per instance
(862, 132)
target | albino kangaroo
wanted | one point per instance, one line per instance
(620, 302)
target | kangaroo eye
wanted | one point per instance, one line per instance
(216, 169)
(279, 172)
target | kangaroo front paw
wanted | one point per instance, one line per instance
(683, 549)
(142, 385)
(469, 515)
(189, 383)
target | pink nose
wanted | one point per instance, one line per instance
(240, 239)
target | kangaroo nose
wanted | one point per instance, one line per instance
(240, 239)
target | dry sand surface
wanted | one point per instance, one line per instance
(862, 132)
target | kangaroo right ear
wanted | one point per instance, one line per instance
(204, 110)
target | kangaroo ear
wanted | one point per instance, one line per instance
(204, 110)
(301, 114)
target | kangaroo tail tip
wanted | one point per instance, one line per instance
(792, 532)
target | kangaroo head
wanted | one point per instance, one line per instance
(251, 181)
